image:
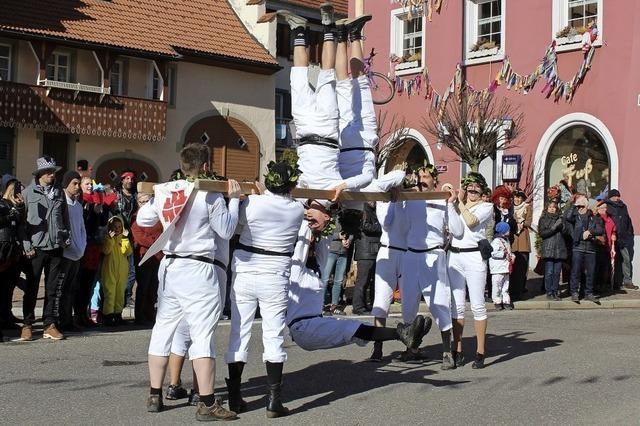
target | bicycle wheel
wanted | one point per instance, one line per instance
(382, 88)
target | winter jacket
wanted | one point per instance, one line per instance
(47, 225)
(115, 265)
(620, 215)
(550, 228)
(125, 207)
(500, 216)
(144, 237)
(521, 241)
(501, 257)
(11, 232)
(368, 242)
(576, 226)
(336, 246)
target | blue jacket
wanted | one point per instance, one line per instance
(576, 225)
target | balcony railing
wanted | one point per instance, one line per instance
(63, 110)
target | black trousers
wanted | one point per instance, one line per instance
(8, 282)
(147, 289)
(52, 263)
(69, 290)
(518, 278)
(364, 280)
(84, 284)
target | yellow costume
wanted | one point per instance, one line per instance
(115, 271)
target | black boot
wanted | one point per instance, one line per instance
(342, 35)
(355, 25)
(275, 407)
(274, 379)
(236, 403)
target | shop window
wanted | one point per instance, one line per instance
(485, 30)
(578, 161)
(407, 40)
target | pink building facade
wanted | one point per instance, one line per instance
(592, 139)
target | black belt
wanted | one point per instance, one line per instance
(357, 148)
(463, 250)
(199, 259)
(302, 319)
(393, 247)
(425, 250)
(257, 250)
(318, 140)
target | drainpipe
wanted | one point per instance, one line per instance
(35, 55)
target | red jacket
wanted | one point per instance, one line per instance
(144, 237)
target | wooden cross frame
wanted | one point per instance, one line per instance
(248, 188)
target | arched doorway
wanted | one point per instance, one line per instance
(579, 157)
(235, 148)
(414, 151)
(109, 170)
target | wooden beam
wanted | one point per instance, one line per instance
(317, 194)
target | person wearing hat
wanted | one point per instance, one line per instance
(500, 266)
(553, 249)
(74, 252)
(583, 227)
(125, 206)
(467, 267)
(618, 211)
(46, 236)
(521, 246)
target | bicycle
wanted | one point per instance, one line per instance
(382, 88)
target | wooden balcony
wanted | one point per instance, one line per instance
(67, 111)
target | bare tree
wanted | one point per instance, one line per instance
(471, 125)
(392, 134)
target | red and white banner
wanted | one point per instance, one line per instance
(173, 197)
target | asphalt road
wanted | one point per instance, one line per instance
(543, 367)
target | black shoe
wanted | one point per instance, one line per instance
(479, 362)
(236, 403)
(575, 297)
(411, 334)
(176, 392)
(591, 298)
(508, 306)
(361, 312)
(498, 306)
(154, 404)
(355, 25)
(556, 298)
(458, 358)
(447, 362)
(274, 406)
(412, 357)
(194, 398)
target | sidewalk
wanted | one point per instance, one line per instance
(534, 301)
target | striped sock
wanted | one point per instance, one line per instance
(300, 37)
(328, 36)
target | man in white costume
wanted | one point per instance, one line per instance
(424, 270)
(261, 266)
(188, 286)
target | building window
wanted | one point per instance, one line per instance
(283, 41)
(485, 30)
(117, 78)
(5, 62)
(172, 83)
(578, 161)
(58, 67)
(155, 83)
(407, 41)
(571, 19)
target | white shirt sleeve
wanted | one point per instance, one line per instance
(223, 221)
(484, 212)
(148, 214)
(456, 227)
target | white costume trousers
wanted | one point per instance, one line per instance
(467, 270)
(388, 276)
(500, 288)
(270, 292)
(314, 112)
(426, 273)
(325, 333)
(181, 338)
(187, 289)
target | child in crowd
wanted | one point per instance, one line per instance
(115, 269)
(500, 266)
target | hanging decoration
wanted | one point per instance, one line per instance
(417, 8)
(555, 87)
